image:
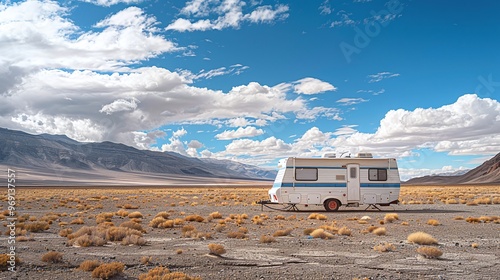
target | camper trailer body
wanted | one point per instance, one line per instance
(333, 182)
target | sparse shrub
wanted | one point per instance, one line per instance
(87, 241)
(433, 222)
(386, 247)
(243, 230)
(187, 228)
(279, 217)
(164, 214)
(163, 273)
(122, 213)
(65, 232)
(421, 238)
(77, 221)
(119, 233)
(380, 231)
(108, 270)
(451, 201)
(178, 221)
(216, 249)
(36, 226)
(321, 233)
(133, 240)
(285, 232)
(178, 251)
(390, 217)
(474, 245)
(136, 214)
(237, 235)
(129, 206)
(472, 220)
(133, 225)
(52, 257)
(308, 231)
(167, 224)
(267, 239)
(4, 258)
(430, 252)
(219, 228)
(146, 260)
(405, 223)
(313, 216)
(345, 231)
(194, 218)
(156, 222)
(371, 228)
(458, 218)
(89, 265)
(215, 215)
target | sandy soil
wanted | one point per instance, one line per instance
(296, 256)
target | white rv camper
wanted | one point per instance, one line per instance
(333, 182)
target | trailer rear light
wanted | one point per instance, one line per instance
(275, 197)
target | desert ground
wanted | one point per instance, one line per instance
(219, 232)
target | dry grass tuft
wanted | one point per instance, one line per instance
(146, 260)
(237, 235)
(215, 215)
(133, 240)
(52, 257)
(108, 270)
(194, 218)
(4, 258)
(163, 273)
(281, 232)
(316, 216)
(433, 222)
(267, 239)
(380, 231)
(345, 231)
(430, 252)
(421, 238)
(155, 222)
(89, 265)
(77, 221)
(65, 232)
(163, 214)
(386, 247)
(136, 215)
(279, 217)
(390, 217)
(458, 218)
(321, 233)
(133, 225)
(472, 220)
(36, 226)
(216, 249)
(474, 245)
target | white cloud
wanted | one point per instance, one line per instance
(351, 101)
(241, 132)
(108, 3)
(228, 14)
(119, 105)
(469, 126)
(268, 14)
(209, 74)
(325, 8)
(375, 78)
(317, 112)
(312, 86)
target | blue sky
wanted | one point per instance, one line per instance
(255, 81)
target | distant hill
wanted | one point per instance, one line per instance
(486, 173)
(58, 152)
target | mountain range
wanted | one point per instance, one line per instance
(62, 156)
(486, 173)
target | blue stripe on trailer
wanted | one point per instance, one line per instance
(316, 185)
(379, 185)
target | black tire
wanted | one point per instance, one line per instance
(332, 205)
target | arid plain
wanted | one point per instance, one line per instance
(219, 232)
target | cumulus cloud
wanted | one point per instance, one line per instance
(469, 126)
(312, 86)
(224, 14)
(241, 132)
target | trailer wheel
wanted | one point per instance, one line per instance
(332, 205)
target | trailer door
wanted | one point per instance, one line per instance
(353, 182)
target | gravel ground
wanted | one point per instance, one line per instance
(295, 256)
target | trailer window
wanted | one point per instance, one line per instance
(377, 174)
(306, 174)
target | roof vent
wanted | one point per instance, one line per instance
(329, 155)
(364, 155)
